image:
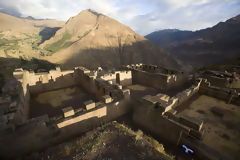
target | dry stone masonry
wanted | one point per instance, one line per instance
(157, 113)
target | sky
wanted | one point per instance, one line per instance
(143, 16)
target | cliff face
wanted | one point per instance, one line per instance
(93, 39)
(203, 47)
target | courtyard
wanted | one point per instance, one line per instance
(52, 102)
(221, 122)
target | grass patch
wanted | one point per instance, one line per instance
(7, 45)
(6, 42)
(3, 42)
(1, 35)
(36, 64)
(85, 34)
(60, 44)
(6, 53)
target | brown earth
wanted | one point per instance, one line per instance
(93, 39)
(111, 141)
(15, 24)
(221, 123)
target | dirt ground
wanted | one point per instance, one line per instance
(138, 91)
(112, 141)
(221, 123)
(52, 102)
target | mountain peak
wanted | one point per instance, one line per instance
(87, 12)
(100, 40)
(236, 18)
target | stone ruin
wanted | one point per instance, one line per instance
(222, 79)
(155, 113)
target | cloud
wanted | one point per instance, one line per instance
(143, 16)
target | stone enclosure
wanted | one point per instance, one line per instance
(49, 107)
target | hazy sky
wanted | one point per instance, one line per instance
(143, 16)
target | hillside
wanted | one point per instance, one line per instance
(92, 39)
(20, 37)
(25, 25)
(110, 141)
(203, 47)
(19, 40)
(14, 24)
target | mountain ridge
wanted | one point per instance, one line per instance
(202, 47)
(91, 37)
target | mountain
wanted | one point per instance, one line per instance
(14, 24)
(93, 39)
(20, 37)
(203, 47)
(25, 25)
(19, 40)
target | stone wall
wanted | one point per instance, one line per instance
(235, 83)
(54, 79)
(222, 79)
(217, 81)
(156, 77)
(119, 77)
(44, 132)
(31, 82)
(97, 86)
(98, 113)
(155, 80)
(155, 113)
(166, 103)
(102, 111)
(63, 81)
(187, 94)
(24, 96)
(228, 95)
(167, 129)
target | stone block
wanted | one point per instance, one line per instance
(107, 99)
(5, 99)
(119, 86)
(13, 106)
(170, 113)
(163, 107)
(89, 104)
(68, 111)
(196, 134)
(126, 93)
(163, 97)
(191, 122)
(150, 100)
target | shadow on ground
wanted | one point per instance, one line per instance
(47, 33)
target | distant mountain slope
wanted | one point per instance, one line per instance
(11, 23)
(25, 25)
(202, 47)
(93, 39)
(19, 37)
(166, 37)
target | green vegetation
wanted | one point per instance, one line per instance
(1, 35)
(60, 44)
(6, 53)
(35, 64)
(85, 34)
(7, 45)
(6, 42)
